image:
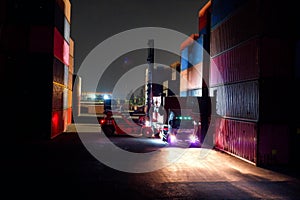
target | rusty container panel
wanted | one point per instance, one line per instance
(276, 57)
(240, 100)
(273, 144)
(58, 71)
(237, 64)
(57, 123)
(241, 25)
(236, 137)
(57, 97)
(61, 47)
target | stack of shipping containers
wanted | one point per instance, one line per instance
(37, 63)
(191, 66)
(252, 71)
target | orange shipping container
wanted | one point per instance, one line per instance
(65, 6)
(71, 64)
(71, 43)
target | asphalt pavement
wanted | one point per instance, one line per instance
(62, 168)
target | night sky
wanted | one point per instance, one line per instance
(93, 21)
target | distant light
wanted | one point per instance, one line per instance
(106, 96)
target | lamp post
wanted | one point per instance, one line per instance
(150, 60)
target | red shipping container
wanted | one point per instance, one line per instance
(57, 123)
(61, 48)
(237, 64)
(237, 137)
(239, 27)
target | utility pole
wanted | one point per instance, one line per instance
(150, 60)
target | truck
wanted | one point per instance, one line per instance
(181, 120)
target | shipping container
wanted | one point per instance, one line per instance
(70, 100)
(61, 48)
(57, 97)
(240, 100)
(236, 137)
(65, 6)
(242, 25)
(58, 71)
(57, 123)
(262, 144)
(223, 9)
(71, 64)
(65, 98)
(71, 44)
(70, 81)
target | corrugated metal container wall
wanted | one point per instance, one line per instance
(240, 26)
(58, 71)
(222, 9)
(236, 137)
(238, 100)
(61, 47)
(236, 64)
(57, 97)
